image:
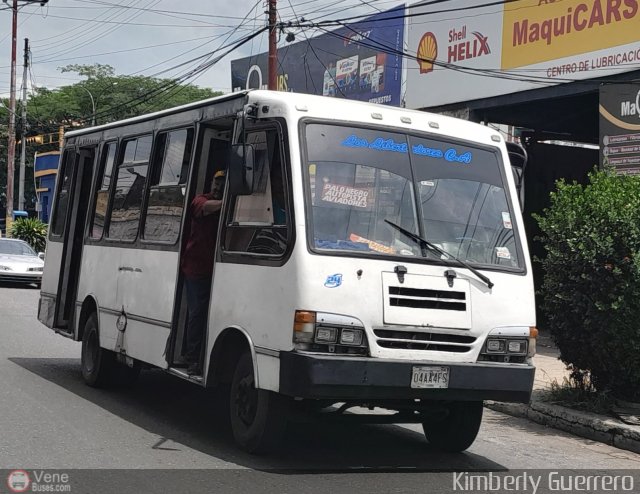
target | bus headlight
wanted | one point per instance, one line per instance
(5, 268)
(329, 333)
(326, 335)
(509, 344)
(517, 347)
(506, 346)
(351, 337)
(495, 346)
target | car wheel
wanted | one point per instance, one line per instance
(258, 417)
(458, 429)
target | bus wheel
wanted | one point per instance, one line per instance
(457, 431)
(98, 364)
(258, 417)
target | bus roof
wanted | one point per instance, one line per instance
(161, 113)
(357, 111)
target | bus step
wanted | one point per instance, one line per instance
(182, 373)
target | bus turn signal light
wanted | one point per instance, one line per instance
(304, 325)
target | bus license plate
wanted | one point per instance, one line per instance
(430, 377)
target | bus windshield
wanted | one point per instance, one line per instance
(451, 194)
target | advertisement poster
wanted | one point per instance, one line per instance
(620, 127)
(477, 49)
(360, 61)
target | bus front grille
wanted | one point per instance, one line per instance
(419, 298)
(416, 340)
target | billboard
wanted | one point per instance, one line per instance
(361, 61)
(620, 127)
(470, 49)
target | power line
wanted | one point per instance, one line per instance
(95, 55)
(68, 34)
(171, 84)
(92, 36)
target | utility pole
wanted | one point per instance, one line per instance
(23, 151)
(273, 46)
(11, 151)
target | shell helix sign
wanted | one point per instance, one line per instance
(427, 52)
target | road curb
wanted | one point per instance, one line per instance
(588, 425)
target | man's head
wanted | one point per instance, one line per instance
(217, 187)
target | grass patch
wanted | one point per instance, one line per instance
(578, 392)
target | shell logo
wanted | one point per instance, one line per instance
(427, 52)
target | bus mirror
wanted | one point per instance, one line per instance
(241, 168)
(518, 159)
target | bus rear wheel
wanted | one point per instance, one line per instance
(99, 366)
(258, 417)
(97, 363)
(458, 429)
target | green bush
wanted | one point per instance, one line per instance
(591, 287)
(31, 230)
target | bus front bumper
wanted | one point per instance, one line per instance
(360, 378)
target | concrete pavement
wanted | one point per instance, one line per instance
(549, 369)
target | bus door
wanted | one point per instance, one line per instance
(77, 194)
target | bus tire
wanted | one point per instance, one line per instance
(457, 431)
(98, 365)
(258, 417)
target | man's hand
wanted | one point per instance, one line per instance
(211, 206)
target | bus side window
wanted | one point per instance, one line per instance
(167, 192)
(99, 212)
(258, 222)
(127, 199)
(64, 192)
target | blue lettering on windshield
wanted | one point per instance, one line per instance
(353, 141)
(381, 144)
(388, 145)
(452, 155)
(424, 151)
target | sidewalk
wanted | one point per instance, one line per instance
(601, 428)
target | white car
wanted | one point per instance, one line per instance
(19, 262)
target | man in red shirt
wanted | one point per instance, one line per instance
(197, 266)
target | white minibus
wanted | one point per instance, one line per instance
(365, 256)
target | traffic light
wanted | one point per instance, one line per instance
(39, 139)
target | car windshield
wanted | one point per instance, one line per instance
(16, 248)
(451, 194)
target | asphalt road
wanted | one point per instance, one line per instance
(50, 420)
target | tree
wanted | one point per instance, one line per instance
(591, 288)
(114, 97)
(95, 71)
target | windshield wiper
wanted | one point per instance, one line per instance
(421, 241)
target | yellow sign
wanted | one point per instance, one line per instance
(537, 31)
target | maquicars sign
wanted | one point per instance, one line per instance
(540, 31)
(485, 51)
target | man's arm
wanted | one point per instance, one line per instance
(211, 206)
